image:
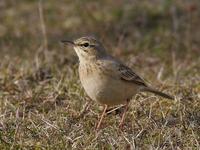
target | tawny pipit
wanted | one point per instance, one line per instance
(104, 78)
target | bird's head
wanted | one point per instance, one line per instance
(87, 48)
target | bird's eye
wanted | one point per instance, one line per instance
(85, 44)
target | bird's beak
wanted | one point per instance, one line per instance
(66, 42)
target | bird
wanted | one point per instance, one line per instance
(106, 79)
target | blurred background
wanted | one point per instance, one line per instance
(160, 39)
(156, 27)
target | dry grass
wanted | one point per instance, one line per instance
(42, 104)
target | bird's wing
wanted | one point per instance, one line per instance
(116, 69)
(128, 75)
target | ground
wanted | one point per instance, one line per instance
(42, 103)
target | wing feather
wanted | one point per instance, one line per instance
(128, 75)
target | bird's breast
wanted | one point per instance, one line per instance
(92, 80)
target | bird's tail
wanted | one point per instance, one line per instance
(148, 89)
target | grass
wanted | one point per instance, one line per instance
(42, 104)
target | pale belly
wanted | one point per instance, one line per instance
(108, 90)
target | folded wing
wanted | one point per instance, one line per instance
(128, 75)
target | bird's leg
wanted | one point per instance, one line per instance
(124, 114)
(99, 123)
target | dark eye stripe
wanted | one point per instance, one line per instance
(84, 45)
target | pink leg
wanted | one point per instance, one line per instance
(124, 114)
(103, 114)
